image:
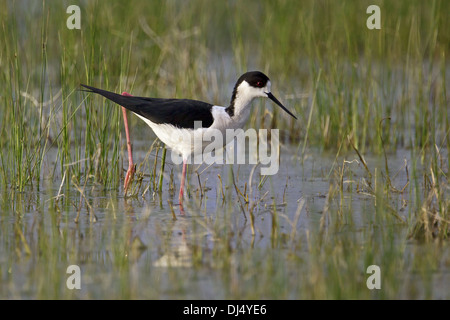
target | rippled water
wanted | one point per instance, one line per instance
(144, 247)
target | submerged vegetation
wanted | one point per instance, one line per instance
(364, 175)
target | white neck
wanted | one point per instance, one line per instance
(244, 96)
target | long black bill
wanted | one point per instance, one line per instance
(272, 97)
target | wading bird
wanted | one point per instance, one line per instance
(175, 121)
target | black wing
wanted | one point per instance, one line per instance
(180, 113)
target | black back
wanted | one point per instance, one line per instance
(180, 113)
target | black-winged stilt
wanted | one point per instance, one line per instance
(174, 120)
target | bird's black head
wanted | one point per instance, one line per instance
(256, 79)
(253, 84)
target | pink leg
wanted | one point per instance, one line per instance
(183, 177)
(131, 168)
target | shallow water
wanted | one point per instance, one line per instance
(139, 248)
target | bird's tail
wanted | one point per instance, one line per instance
(126, 101)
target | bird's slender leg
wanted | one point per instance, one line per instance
(131, 168)
(183, 177)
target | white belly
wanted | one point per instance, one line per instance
(188, 141)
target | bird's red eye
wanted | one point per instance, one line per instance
(259, 84)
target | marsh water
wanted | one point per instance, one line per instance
(295, 237)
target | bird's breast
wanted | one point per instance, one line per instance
(187, 141)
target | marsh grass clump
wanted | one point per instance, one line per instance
(422, 205)
(432, 219)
